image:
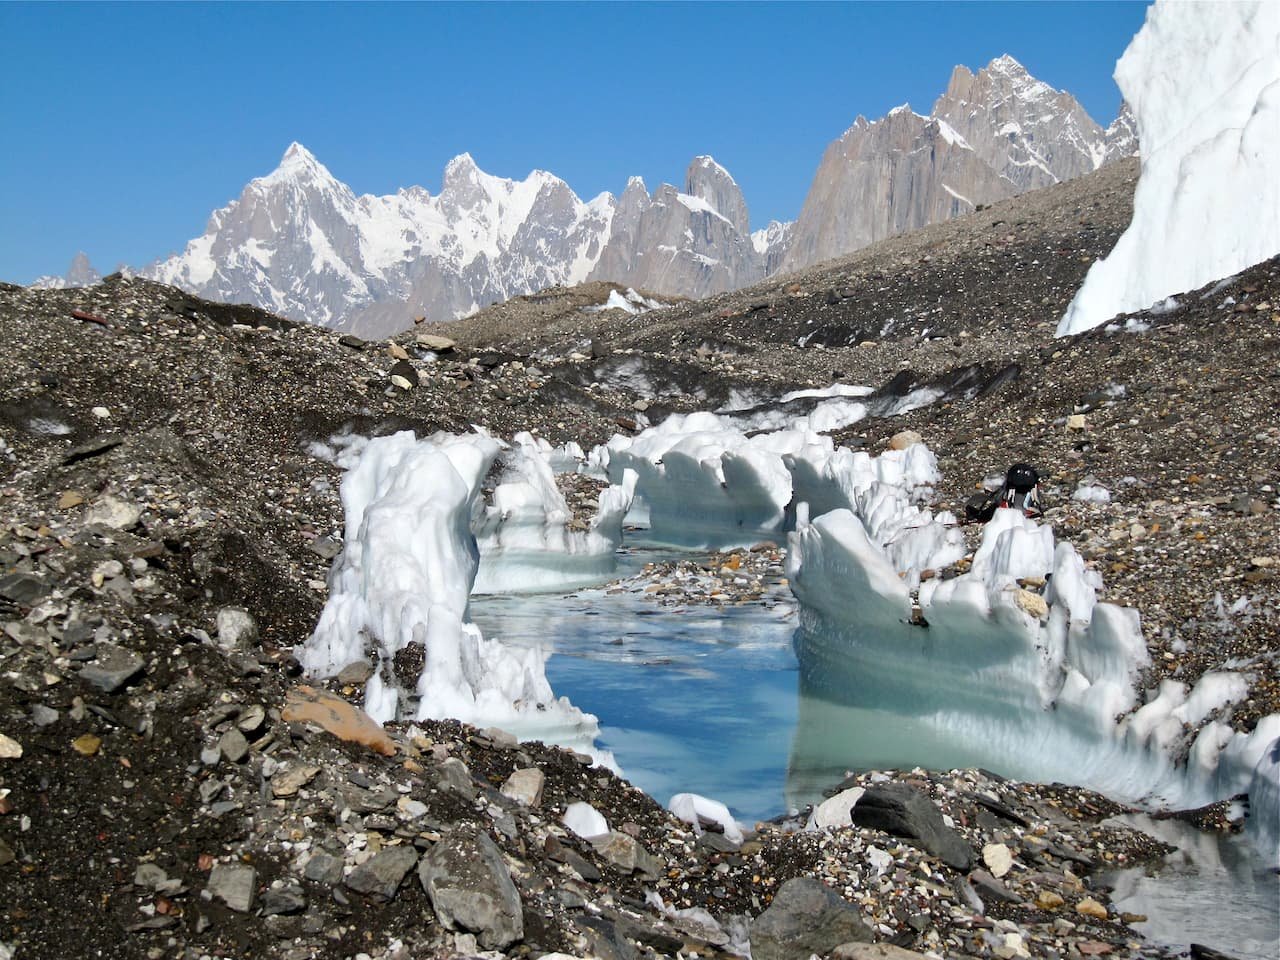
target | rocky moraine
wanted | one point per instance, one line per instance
(171, 787)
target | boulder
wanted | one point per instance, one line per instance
(905, 812)
(805, 918)
(470, 887)
(380, 875)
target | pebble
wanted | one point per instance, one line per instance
(10, 749)
(1090, 907)
(86, 744)
(998, 858)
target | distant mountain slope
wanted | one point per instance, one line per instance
(991, 135)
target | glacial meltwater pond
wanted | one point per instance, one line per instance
(710, 699)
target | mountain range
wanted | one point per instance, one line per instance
(301, 243)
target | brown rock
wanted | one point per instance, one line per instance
(342, 719)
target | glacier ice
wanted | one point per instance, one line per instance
(972, 664)
(693, 808)
(405, 576)
(1203, 80)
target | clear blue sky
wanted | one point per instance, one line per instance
(126, 125)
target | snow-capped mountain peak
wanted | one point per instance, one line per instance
(300, 242)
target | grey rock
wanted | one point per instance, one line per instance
(357, 671)
(113, 512)
(627, 854)
(286, 899)
(324, 868)
(233, 745)
(43, 716)
(24, 588)
(525, 786)
(236, 629)
(252, 718)
(470, 888)
(151, 877)
(454, 775)
(325, 547)
(989, 886)
(903, 811)
(380, 875)
(805, 918)
(235, 884)
(113, 669)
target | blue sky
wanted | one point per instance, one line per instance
(126, 125)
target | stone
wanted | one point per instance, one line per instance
(436, 343)
(69, 499)
(1077, 421)
(454, 775)
(805, 918)
(1090, 907)
(113, 669)
(525, 786)
(87, 744)
(113, 512)
(10, 749)
(326, 548)
(251, 718)
(903, 811)
(355, 672)
(904, 439)
(24, 588)
(287, 783)
(873, 951)
(398, 381)
(333, 714)
(1032, 603)
(237, 629)
(324, 868)
(285, 899)
(397, 352)
(835, 812)
(381, 874)
(627, 854)
(989, 887)
(43, 716)
(470, 887)
(235, 884)
(151, 877)
(998, 858)
(233, 746)
(1048, 900)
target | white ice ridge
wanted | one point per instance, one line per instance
(707, 485)
(405, 575)
(525, 541)
(1203, 80)
(1037, 682)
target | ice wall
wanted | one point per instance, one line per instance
(708, 485)
(405, 576)
(526, 543)
(1203, 80)
(983, 669)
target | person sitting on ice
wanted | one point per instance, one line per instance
(1021, 491)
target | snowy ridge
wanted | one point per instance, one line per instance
(299, 242)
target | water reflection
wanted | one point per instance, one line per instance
(1210, 890)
